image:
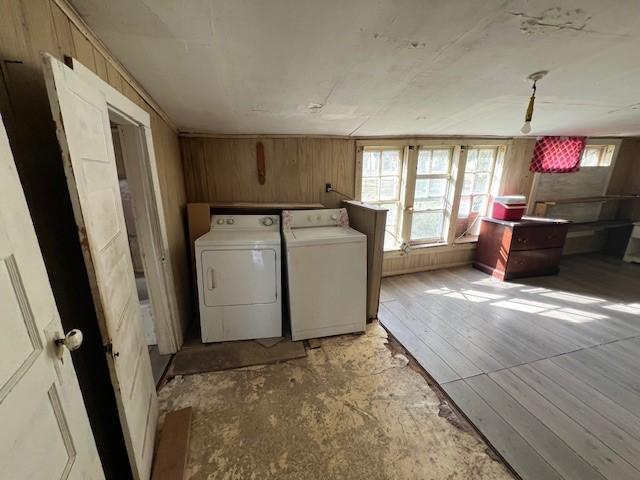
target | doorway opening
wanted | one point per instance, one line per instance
(159, 362)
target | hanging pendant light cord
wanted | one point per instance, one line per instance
(529, 114)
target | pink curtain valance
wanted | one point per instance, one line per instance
(557, 154)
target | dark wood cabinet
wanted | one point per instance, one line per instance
(528, 247)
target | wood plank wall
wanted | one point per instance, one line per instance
(516, 177)
(27, 28)
(626, 178)
(224, 169)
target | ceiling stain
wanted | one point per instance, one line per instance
(397, 42)
(315, 107)
(554, 18)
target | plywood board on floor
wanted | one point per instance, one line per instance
(172, 455)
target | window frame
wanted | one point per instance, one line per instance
(490, 172)
(380, 203)
(606, 154)
(411, 147)
(411, 200)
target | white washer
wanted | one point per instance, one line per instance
(326, 273)
(238, 270)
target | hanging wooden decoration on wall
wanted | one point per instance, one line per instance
(262, 169)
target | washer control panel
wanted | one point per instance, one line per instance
(315, 218)
(245, 222)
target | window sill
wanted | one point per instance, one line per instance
(468, 239)
(437, 247)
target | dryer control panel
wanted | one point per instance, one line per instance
(245, 222)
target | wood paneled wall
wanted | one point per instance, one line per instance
(626, 178)
(225, 169)
(428, 258)
(516, 177)
(27, 28)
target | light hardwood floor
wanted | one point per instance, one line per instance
(546, 368)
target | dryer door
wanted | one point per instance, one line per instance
(239, 277)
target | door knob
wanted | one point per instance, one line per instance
(72, 340)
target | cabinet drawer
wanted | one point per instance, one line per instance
(533, 262)
(532, 238)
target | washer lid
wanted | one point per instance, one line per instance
(322, 236)
(238, 238)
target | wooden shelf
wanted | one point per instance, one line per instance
(267, 206)
(602, 199)
(600, 225)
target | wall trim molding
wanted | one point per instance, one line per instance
(360, 139)
(223, 136)
(93, 38)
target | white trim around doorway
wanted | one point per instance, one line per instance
(134, 128)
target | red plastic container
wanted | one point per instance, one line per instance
(509, 207)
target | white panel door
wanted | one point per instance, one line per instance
(82, 120)
(239, 277)
(45, 431)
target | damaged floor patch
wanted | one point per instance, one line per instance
(351, 409)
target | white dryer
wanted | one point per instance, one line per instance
(238, 270)
(326, 273)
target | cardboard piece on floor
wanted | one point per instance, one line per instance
(171, 458)
(314, 343)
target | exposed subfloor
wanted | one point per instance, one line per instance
(352, 409)
(546, 368)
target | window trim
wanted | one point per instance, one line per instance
(359, 177)
(410, 200)
(606, 152)
(410, 146)
(491, 171)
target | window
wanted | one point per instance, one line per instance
(597, 156)
(476, 187)
(430, 199)
(381, 176)
(433, 175)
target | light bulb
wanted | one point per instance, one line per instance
(526, 127)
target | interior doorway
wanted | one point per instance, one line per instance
(131, 130)
(159, 362)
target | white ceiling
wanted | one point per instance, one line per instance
(381, 67)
